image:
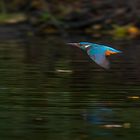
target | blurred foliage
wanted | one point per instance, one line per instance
(91, 16)
(120, 32)
(45, 16)
(12, 18)
(125, 32)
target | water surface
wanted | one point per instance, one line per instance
(51, 91)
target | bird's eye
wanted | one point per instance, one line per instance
(81, 45)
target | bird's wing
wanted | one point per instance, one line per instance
(98, 55)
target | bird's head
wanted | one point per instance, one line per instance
(82, 45)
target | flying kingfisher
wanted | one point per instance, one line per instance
(97, 52)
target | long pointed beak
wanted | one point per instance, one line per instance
(74, 44)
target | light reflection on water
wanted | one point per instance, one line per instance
(52, 91)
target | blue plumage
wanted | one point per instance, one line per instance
(97, 52)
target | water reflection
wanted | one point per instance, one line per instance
(52, 91)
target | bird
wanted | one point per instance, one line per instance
(97, 52)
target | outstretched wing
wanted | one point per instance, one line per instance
(97, 54)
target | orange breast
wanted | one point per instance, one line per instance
(107, 53)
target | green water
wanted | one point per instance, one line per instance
(51, 91)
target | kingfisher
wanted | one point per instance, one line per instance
(98, 53)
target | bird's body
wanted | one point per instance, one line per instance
(97, 52)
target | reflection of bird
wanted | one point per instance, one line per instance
(97, 52)
(100, 116)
